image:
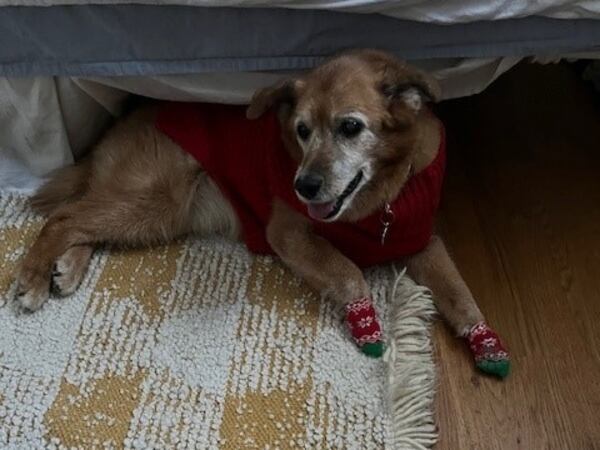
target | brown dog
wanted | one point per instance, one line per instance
(357, 131)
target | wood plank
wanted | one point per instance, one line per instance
(521, 216)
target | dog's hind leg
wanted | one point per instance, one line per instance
(70, 233)
(140, 190)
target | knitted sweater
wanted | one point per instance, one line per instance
(249, 163)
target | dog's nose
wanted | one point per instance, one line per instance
(308, 185)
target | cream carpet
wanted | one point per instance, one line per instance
(199, 345)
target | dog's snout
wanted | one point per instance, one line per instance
(308, 185)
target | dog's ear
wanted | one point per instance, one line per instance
(404, 83)
(404, 88)
(282, 93)
(399, 81)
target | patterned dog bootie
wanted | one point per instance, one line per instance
(364, 326)
(489, 353)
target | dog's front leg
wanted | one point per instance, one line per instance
(327, 271)
(434, 268)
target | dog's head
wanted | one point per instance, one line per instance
(351, 125)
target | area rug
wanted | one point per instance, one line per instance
(200, 345)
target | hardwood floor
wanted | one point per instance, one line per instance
(521, 216)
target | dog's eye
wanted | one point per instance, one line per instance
(351, 127)
(303, 131)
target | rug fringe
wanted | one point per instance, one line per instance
(410, 365)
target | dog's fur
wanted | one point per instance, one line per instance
(138, 188)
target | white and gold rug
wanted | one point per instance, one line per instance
(199, 345)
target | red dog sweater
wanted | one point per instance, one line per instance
(248, 161)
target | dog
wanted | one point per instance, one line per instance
(332, 171)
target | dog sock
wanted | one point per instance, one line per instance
(364, 326)
(489, 353)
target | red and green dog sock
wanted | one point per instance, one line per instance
(364, 327)
(487, 349)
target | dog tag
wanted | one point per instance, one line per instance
(387, 218)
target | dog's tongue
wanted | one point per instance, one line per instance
(320, 210)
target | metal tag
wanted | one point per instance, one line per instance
(387, 218)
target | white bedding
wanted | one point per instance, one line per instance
(433, 11)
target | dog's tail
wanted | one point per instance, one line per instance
(65, 185)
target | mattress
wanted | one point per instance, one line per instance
(430, 11)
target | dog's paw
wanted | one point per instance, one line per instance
(33, 285)
(31, 297)
(490, 354)
(69, 270)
